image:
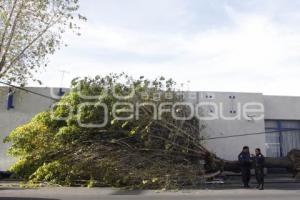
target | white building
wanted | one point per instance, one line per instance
(276, 132)
(26, 106)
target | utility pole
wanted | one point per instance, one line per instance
(61, 92)
(64, 72)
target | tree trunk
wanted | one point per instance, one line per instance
(285, 163)
(291, 163)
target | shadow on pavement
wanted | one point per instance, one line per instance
(1, 189)
(14, 187)
(21, 198)
(126, 192)
(268, 186)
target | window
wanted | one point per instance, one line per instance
(282, 136)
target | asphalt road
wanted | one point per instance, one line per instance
(285, 191)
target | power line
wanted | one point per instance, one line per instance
(29, 91)
(249, 134)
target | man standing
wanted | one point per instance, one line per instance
(259, 160)
(10, 98)
(245, 164)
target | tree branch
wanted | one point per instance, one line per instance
(2, 62)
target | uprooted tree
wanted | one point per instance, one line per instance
(142, 144)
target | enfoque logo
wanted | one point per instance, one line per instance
(160, 104)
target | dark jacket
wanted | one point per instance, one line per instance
(245, 159)
(259, 161)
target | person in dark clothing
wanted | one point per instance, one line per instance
(10, 99)
(245, 164)
(259, 161)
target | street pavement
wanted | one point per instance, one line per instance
(282, 191)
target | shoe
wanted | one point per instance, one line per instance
(258, 186)
(261, 187)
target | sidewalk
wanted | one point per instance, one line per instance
(269, 178)
(272, 181)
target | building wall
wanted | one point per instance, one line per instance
(26, 106)
(282, 107)
(282, 124)
(229, 147)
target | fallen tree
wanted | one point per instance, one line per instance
(105, 135)
(152, 150)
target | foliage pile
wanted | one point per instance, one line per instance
(139, 153)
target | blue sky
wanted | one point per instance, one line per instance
(212, 45)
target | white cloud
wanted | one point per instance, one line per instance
(254, 55)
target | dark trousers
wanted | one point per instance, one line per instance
(10, 102)
(259, 174)
(246, 175)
